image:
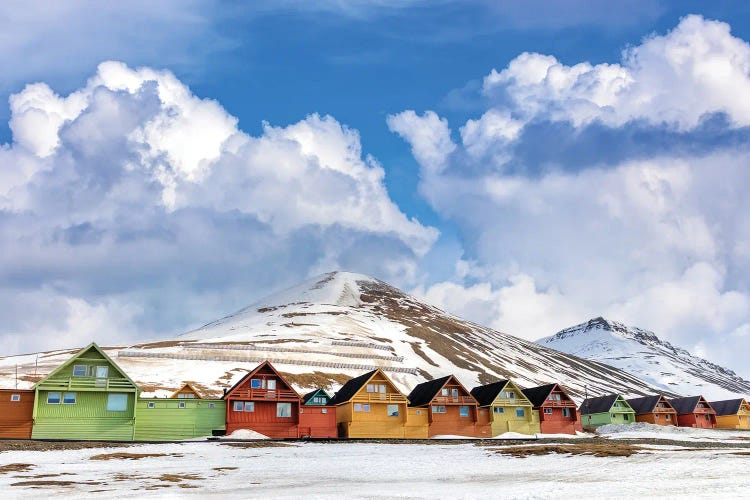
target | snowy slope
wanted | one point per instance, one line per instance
(641, 353)
(336, 326)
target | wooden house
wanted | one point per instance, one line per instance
(451, 410)
(508, 409)
(262, 401)
(88, 398)
(694, 411)
(317, 417)
(653, 410)
(732, 414)
(16, 413)
(186, 414)
(558, 413)
(603, 410)
(370, 406)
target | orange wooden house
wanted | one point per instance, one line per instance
(16, 413)
(558, 413)
(694, 411)
(262, 401)
(371, 406)
(317, 417)
(451, 409)
(653, 410)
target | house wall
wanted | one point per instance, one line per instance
(373, 424)
(16, 417)
(508, 421)
(87, 419)
(740, 420)
(604, 418)
(556, 423)
(417, 425)
(264, 419)
(661, 418)
(697, 420)
(166, 421)
(451, 422)
(317, 421)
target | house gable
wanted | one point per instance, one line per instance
(503, 397)
(446, 389)
(261, 381)
(318, 397)
(88, 370)
(187, 391)
(373, 386)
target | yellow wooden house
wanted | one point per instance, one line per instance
(732, 414)
(371, 406)
(509, 409)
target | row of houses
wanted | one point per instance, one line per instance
(89, 397)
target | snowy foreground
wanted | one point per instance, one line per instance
(691, 463)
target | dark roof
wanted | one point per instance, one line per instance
(307, 397)
(349, 389)
(537, 395)
(601, 404)
(426, 391)
(685, 405)
(646, 404)
(486, 394)
(727, 407)
(253, 372)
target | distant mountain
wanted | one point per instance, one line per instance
(642, 354)
(339, 325)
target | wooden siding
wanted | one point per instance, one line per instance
(87, 419)
(555, 422)
(317, 421)
(666, 417)
(16, 417)
(166, 421)
(417, 424)
(508, 420)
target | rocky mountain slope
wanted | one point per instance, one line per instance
(642, 354)
(336, 326)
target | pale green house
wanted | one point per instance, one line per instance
(603, 410)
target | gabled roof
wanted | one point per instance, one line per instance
(486, 394)
(601, 404)
(256, 370)
(307, 397)
(425, 392)
(192, 386)
(537, 395)
(647, 404)
(352, 387)
(77, 355)
(727, 407)
(686, 405)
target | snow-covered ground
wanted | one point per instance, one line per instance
(368, 470)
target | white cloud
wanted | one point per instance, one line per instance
(429, 136)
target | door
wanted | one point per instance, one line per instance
(101, 376)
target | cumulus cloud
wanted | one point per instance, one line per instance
(654, 239)
(131, 191)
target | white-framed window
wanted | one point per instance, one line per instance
(454, 393)
(444, 392)
(83, 371)
(15, 398)
(284, 410)
(255, 383)
(498, 410)
(212, 405)
(102, 371)
(463, 411)
(53, 398)
(151, 404)
(271, 384)
(548, 411)
(438, 409)
(69, 398)
(358, 407)
(376, 388)
(324, 410)
(249, 406)
(181, 404)
(393, 410)
(566, 412)
(117, 402)
(520, 412)
(184, 395)
(669, 417)
(554, 397)
(237, 406)
(366, 408)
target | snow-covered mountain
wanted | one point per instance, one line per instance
(642, 354)
(336, 326)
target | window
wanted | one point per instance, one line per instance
(357, 407)
(393, 410)
(271, 384)
(15, 398)
(212, 405)
(454, 393)
(324, 411)
(249, 406)
(463, 411)
(614, 415)
(520, 412)
(102, 371)
(438, 409)
(669, 417)
(53, 398)
(366, 407)
(419, 412)
(151, 404)
(554, 397)
(82, 370)
(499, 409)
(255, 383)
(181, 404)
(284, 410)
(69, 398)
(376, 388)
(238, 405)
(548, 411)
(707, 417)
(566, 412)
(185, 396)
(656, 416)
(626, 416)
(444, 392)
(117, 402)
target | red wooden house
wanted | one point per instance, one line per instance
(317, 418)
(263, 402)
(16, 413)
(653, 410)
(694, 411)
(558, 414)
(451, 409)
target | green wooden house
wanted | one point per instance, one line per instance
(318, 397)
(173, 419)
(88, 398)
(610, 409)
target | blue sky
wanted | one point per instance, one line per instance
(146, 215)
